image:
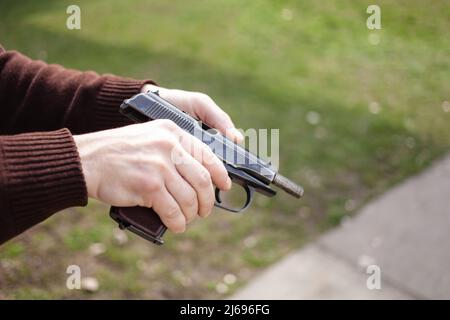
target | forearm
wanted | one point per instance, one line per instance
(35, 96)
(40, 174)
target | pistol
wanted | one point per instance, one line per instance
(244, 168)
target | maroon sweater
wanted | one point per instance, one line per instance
(41, 106)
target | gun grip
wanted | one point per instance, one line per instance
(140, 220)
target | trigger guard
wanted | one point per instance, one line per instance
(249, 192)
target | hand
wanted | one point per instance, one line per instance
(135, 165)
(202, 107)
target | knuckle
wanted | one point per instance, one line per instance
(209, 158)
(200, 97)
(223, 173)
(207, 206)
(145, 200)
(168, 124)
(204, 179)
(211, 200)
(190, 201)
(148, 201)
(204, 96)
(166, 143)
(225, 116)
(151, 185)
(161, 166)
(177, 157)
(171, 212)
(208, 200)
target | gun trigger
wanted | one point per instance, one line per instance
(249, 192)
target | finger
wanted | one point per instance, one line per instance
(203, 154)
(209, 112)
(183, 193)
(199, 178)
(169, 211)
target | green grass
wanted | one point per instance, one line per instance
(267, 72)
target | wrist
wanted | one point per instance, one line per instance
(82, 144)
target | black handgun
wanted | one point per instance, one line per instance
(244, 168)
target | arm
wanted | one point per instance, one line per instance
(42, 173)
(35, 96)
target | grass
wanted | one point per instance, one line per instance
(354, 119)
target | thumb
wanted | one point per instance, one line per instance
(210, 113)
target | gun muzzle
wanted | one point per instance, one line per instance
(287, 185)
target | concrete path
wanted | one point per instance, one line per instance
(405, 232)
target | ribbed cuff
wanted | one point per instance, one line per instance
(109, 98)
(42, 175)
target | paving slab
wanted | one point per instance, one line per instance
(313, 273)
(405, 232)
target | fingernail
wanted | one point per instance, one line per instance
(236, 134)
(229, 184)
(181, 230)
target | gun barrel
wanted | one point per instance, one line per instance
(287, 185)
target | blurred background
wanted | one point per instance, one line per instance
(358, 110)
